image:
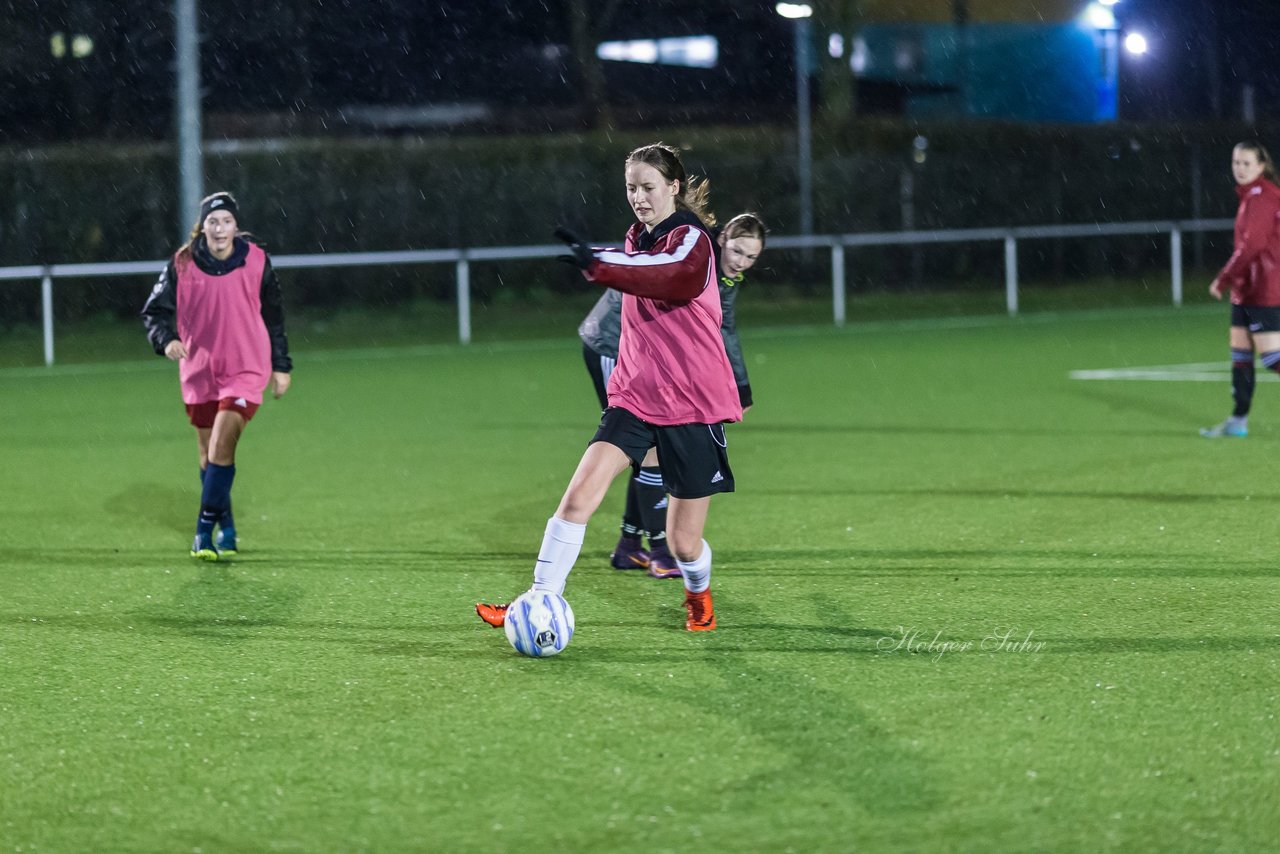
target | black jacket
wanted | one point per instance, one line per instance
(160, 314)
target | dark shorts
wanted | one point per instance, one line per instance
(203, 414)
(599, 366)
(694, 457)
(1256, 318)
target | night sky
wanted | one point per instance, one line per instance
(306, 58)
(1203, 53)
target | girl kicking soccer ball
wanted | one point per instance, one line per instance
(672, 389)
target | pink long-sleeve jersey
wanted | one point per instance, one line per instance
(672, 367)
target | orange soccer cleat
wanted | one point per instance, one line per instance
(494, 615)
(702, 615)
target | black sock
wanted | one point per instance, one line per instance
(1243, 381)
(632, 522)
(652, 499)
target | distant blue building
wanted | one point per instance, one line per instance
(1056, 72)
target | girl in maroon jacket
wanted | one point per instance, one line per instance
(1252, 276)
(673, 387)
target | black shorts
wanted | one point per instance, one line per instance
(1256, 318)
(694, 457)
(600, 367)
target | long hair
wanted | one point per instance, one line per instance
(197, 229)
(745, 225)
(693, 195)
(1268, 165)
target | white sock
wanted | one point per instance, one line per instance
(560, 546)
(697, 575)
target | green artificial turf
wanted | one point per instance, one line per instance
(966, 603)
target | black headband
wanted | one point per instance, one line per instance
(218, 202)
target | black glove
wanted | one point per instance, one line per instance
(582, 255)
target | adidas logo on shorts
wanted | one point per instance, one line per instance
(717, 478)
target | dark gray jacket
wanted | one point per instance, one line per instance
(602, 326)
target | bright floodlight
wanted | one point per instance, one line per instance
(1135, 43)
(794, 10)
(1108, 2)
(1099, 17)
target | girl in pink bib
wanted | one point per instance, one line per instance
(673, 387)
(217, 312)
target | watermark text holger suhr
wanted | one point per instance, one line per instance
(911, 639)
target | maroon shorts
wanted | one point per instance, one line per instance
(202, 414)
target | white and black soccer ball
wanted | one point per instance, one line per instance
(539, 624)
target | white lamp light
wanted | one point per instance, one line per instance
(1099, 17)
(794, 10)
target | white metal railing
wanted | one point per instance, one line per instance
(1010, 237)
(835, 243)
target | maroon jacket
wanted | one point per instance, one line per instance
(672, 366)
(1253, 271)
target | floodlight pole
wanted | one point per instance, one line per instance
(187, 113)
(804, 131)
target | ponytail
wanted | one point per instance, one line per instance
(693, 194)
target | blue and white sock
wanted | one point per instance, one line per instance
(215, 498)
(227, 521)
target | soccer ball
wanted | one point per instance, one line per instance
(539, 624)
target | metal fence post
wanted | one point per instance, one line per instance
(1011, 274)
(464, 299)
(837, 283)
(1175, 263)
(46, 312)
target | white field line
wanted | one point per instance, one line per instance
(1196, 372)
